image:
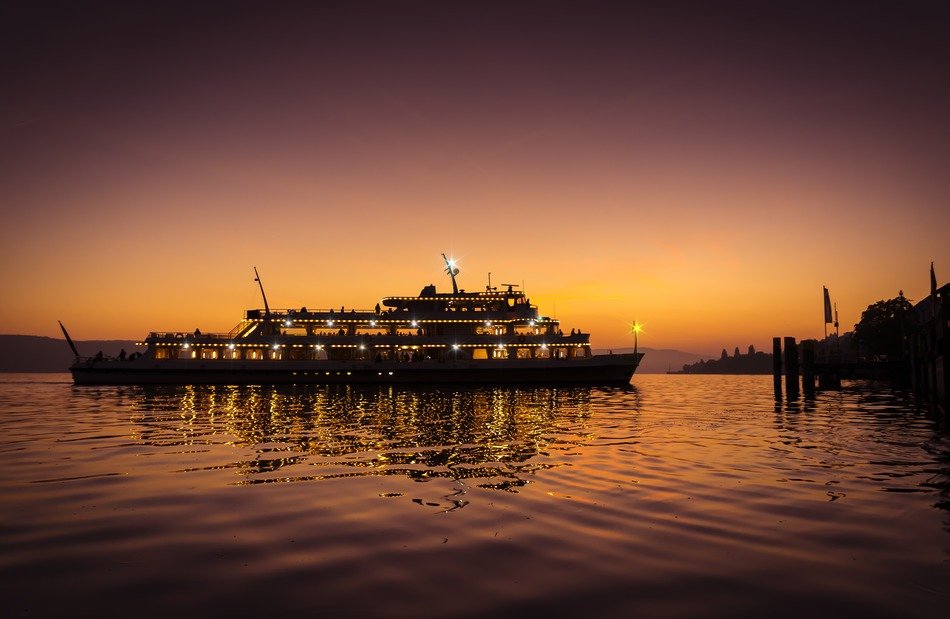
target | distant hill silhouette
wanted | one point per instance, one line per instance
(33, 353)
(750, 363)
(658, 360)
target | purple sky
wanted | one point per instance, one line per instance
(702, 167)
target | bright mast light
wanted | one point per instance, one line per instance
(452, 270)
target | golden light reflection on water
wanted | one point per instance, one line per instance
(495, 437)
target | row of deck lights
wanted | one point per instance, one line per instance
(231, 346)
(415, 323)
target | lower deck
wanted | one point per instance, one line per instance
(596, 369)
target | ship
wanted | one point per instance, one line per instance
(491, 336)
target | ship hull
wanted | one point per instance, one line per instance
(598, 369)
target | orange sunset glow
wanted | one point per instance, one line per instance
(702, 171)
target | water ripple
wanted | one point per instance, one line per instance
(392, 501)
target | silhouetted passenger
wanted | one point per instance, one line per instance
(341, 332)
(197, 332)
(377, 309)
(379, 358)
(99, 356)
(303, 310)
(122, 355)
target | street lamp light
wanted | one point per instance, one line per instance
(635, 328)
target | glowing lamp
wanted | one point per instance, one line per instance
(636, 328)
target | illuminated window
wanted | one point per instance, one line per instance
(186, 353)
(499, 353)
(232, 354)
(161, 353)
(479, 353)
(274, 354)
(254, 353)
(209, 353)
(524, 353)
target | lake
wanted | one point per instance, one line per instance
(681, 496)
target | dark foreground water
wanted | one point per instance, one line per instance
(684, 496)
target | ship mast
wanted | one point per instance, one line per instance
(452, 270)
(257, 278)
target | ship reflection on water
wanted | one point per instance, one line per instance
(493, 438)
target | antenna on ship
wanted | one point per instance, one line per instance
(452, 270)
(69, 340)
(257, 278)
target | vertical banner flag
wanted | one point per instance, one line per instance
(828, 317)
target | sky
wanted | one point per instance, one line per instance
(701, 168)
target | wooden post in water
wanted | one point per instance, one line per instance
(791, 368)
(808, 368)
(777, 366)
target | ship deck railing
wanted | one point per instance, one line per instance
(362, 315)
(373, 339)
(190, 336)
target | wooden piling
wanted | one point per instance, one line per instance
(791, 368)
(777, 366)
(808, 368)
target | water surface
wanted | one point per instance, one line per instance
(682, 496)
